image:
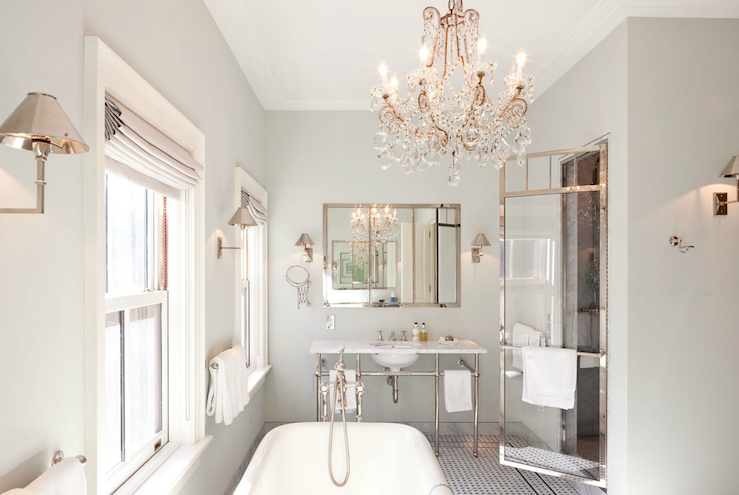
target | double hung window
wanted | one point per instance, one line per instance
(136, 328)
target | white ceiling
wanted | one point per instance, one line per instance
(323, 55)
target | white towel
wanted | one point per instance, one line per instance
(64, 478)
(17, 491)
(457, 390)
(229, 385)
(523, 336)
(351, 396)
(549, 376)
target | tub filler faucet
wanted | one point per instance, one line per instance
(340, 388)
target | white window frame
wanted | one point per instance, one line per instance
(173, 464)
(258, 241)
(135, 460)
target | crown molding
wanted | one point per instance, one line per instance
(239, 30)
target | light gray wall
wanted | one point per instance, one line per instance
(178, 48)
(590, 100)
(683, 107)
(327, 157)
(664, 89)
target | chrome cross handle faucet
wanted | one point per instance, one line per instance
(392, 336)
(379, 335)
(340, 366)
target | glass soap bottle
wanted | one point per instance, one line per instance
(416, 336)
(424, 334)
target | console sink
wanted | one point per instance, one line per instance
(395, 361)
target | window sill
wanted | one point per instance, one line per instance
(256, 378)
(166, 472)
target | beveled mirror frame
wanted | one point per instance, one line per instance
(328, 276)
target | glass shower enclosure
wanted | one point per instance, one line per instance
(553, 293)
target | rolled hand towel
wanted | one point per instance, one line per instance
(65, 478)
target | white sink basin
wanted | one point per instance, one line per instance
(395, 361)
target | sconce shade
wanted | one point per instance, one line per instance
(732, 169)
(480, 240)
(304, 240)
(243, 218)
(39, 117)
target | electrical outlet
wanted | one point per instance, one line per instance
(330, 322)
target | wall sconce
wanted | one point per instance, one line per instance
(721, 200)
(243, 219)
(306, 241)
(477, 245)
(40, 125)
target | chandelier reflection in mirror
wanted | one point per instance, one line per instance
(382, 222)
(436, 119)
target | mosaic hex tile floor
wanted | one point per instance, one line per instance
(468, 475)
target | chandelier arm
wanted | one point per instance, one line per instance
(435, 14)
(456, 30)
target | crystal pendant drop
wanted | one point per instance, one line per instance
(454, 172)
(381, 141)
(497, 163)
(521, 158)
(384, 160)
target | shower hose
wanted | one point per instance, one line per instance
(340, 379)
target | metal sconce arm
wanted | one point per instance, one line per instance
(41, 149)
(221, 247)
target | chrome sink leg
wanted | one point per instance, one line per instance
(360, 393)
(324, 393)
(436, 406)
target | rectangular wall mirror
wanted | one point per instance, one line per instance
(391, 255)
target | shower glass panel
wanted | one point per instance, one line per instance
(553, 294)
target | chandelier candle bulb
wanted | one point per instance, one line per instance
(482, 45)
(383, 72)
(424, 54)
(520, 61)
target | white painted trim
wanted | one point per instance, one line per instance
(243, 180)
(168, 470)
(105, 72)
(239, 29)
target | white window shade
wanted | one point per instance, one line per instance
(142, 154)
(257, 209)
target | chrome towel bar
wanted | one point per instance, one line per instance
(579, 353)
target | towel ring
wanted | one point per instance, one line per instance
(303, 287)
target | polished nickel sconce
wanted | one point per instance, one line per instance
(40, 125)
(721, 200)
(243, 219)
(306, 241)
(477, 246)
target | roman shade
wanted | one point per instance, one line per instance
(143, 155)
(257, 209)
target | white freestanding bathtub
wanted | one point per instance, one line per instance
(386, 459)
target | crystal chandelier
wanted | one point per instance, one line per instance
(438, 119)
(359, 252)
(382, 223)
